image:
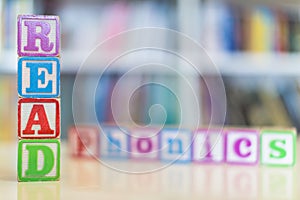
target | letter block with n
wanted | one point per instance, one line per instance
(39, 160)
(38, 118)
(38, 35)
(278, 147)
(39, 77)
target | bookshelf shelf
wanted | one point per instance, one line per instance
(231, 64)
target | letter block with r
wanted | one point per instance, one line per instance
(38, 118)
(38, 35)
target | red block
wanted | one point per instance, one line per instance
(38, 118)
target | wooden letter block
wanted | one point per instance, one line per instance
(39, 160)
(84, 141)
(38, 118)
(114, 143)
(209, 146)
(242, 146)
(278, 147)
(39, 77)
(176, 145)
(38, 35)
(144, 144)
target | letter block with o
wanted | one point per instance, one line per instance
(39, 160)
(39, 77)
(278, 147)
(242, 146)
(38, 35)
(38, 118)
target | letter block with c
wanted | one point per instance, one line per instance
(38, 118)
(278, 147)
(242, 146)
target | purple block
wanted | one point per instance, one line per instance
(208, 146)
(242, 146)
(38, 35)
(144, 144)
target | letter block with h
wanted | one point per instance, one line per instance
(39, 160)
(278, 147)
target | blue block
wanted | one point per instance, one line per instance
(39, 77)
(176, 145)
(114, 143)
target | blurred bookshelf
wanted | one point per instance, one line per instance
(249, 43)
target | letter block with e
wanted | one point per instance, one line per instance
(38, 118)
(242, 146)
(39, 77)
(278, 147)
(38, 35)
(39, 160)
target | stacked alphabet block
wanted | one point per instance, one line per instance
(243, 146)
(39, 103)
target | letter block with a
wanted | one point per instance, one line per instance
(39, 160)
(38, 35)
(278, 147)
(39, 77)
(242, 146)
(176, 145)
(38, 118)
(144, 144)
(83, 141)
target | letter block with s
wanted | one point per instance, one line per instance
(38, 35)
(39, 77)
(39, 160)
(242, 146)
(278, 147)
(38, 118)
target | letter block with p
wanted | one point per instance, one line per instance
(39, 77)
(38, 35)
(39, 160)
(278, 147)
(38, 118)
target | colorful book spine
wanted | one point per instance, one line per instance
(39, 102)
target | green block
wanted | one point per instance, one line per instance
(278, 147)
(39, 160)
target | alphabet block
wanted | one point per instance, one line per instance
(176, 145)
(144, 144)
(38, 118)
(38, 35)
(39, 77)
(209, 145)
(39, 160)
(114, 142)
(84, 141)
(278, 147)
(242, 146)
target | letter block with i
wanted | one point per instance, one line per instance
(38, 118)
(278, 147)
(39, 77)
(38, 35)
(39, 160)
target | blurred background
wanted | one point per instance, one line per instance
(255, 46)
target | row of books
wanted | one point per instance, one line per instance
(231, 27)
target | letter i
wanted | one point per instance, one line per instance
(39, 103)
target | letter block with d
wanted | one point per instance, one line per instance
(242, 146)
(278, 147)
(38, 35)
(39, 77)
(39, 160)
(38, 118)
